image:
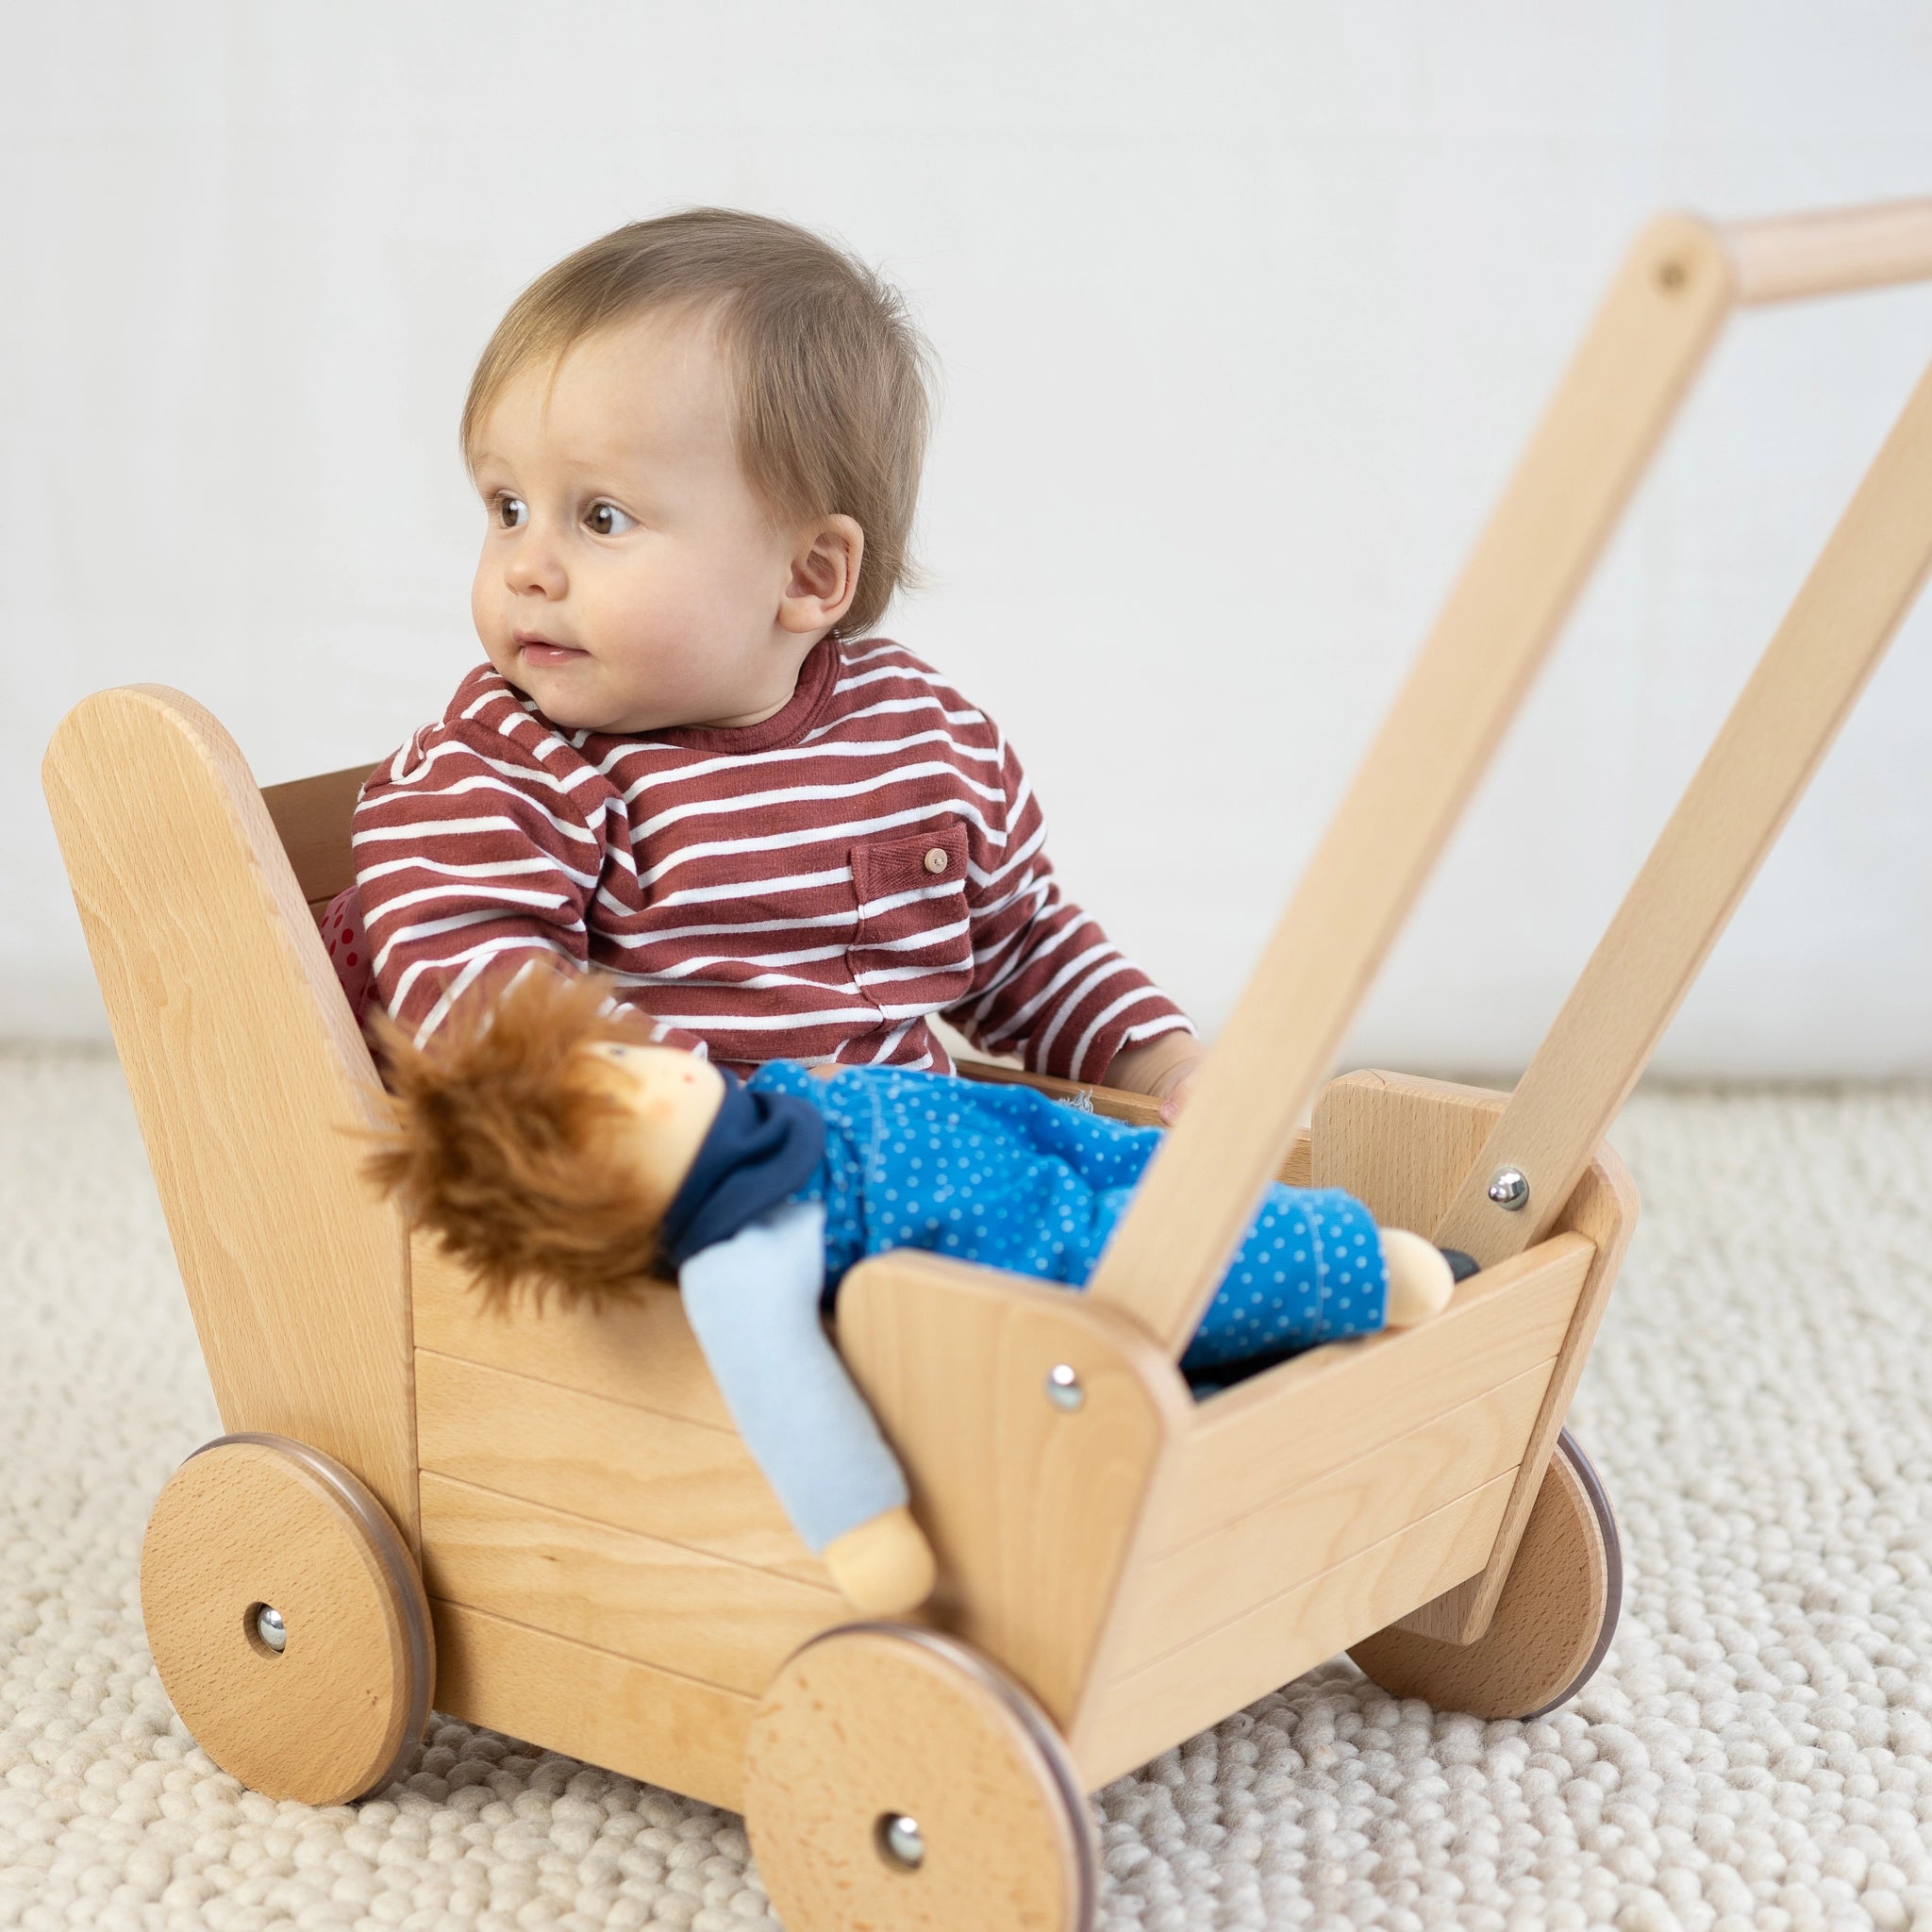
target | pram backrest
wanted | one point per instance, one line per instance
(252, 1085)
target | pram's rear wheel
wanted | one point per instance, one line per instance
(287, 1620)
(1552, 1624)
(895, 1779)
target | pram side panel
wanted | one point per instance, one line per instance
(1236, 1566)
(1309, 1501)
(615, 1463)
(608, 1415)
(248, 1077)
(630, 1717)
(637, 1596)
(1143, 1714)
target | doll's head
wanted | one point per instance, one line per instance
(698, 442)
(540, 1136)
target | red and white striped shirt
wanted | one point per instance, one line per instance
(813, 888)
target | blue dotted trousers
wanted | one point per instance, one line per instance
(1003, 1176)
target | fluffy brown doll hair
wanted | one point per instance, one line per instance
(503, 1142)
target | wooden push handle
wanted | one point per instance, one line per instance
(1729, 817)
(1201, 1190)
(1831, 251)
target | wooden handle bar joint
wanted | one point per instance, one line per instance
(1810, 675)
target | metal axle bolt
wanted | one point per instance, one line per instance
(1063, 1387)
(1509, 1188)
(270, 1627)
(900, 1842)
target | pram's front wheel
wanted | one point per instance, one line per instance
(287, 1620)
(895, 1779)
(1553, 1622)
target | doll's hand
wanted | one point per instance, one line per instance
(1163, 1068)
(885, 1567)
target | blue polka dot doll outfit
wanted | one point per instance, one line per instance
(996, 1174)
(1005, 1177)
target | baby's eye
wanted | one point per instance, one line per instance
(512, 512)
(607, 519)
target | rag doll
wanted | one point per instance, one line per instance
(549, 1143)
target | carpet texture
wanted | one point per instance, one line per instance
(1756, 1751)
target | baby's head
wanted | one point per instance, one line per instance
(698, 444)
(540, 1136)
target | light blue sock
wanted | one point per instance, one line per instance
(753, 1301)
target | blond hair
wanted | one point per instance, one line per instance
(831, 375)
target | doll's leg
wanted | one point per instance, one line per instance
(753, 1301)
(1311, 1270)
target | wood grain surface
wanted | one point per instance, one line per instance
(249, 1079)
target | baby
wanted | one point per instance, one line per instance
(551, 1146)
(689, 762)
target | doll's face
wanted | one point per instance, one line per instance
(672, 1097)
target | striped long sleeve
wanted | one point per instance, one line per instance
(816, 888)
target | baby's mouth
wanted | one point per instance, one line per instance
(540, 650)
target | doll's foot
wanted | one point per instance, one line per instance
(884, 1566)
(1419, 1277)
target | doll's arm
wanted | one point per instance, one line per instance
(753, 1301)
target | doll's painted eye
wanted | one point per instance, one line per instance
(607, 519)
(512, 512)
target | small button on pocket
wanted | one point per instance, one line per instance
(913, 952)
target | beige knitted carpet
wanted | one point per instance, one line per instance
(1756, 1751)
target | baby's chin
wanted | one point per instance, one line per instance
(561, 699)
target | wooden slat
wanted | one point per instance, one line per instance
(1829, 251)
(1114, 1103)
(312, 817)
(1174, 1242)
(608, 1711)
(1238, 1566)
(633, 1595)
(1729, 817)
(1277, 1432)
(249, 1079)
(1156, 1707)
(639, 1350)
(682, 1482)
(1030, 1508)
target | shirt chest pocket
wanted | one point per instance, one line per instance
(913, 952)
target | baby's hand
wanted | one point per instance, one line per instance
(1163, 1068)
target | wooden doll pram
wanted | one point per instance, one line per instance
(548, 1524)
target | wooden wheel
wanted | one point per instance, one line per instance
(897, 1782)
(1553, 1622)
(287, 1620)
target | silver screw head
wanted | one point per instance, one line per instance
(900, 1842)
(1509, 1188)
(270, 1627)
(1063, 1387)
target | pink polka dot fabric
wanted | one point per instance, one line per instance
(348, 950)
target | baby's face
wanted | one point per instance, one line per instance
(630, 580)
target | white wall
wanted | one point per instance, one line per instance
(1245, 312)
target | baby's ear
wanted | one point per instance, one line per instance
(824, 574)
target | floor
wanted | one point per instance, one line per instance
(1756, 1751)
